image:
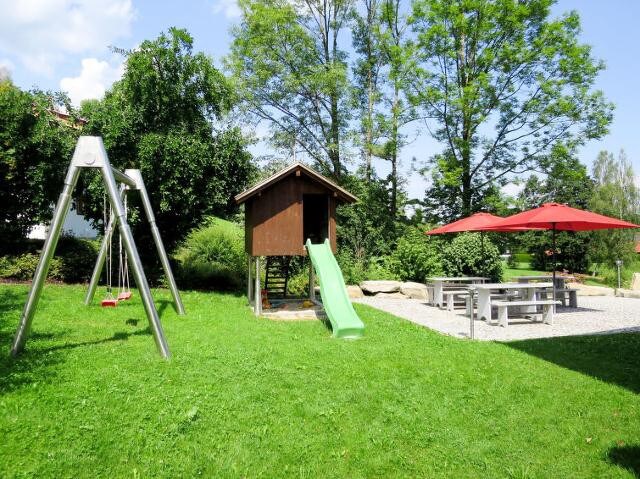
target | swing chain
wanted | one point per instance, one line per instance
(123, 261)
(109, 250)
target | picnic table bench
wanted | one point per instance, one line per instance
(570, 295)
(451, 294)
(528, 293)
(547, 309)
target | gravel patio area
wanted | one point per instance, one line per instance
(595, 315)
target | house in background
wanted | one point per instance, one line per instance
(74, 225)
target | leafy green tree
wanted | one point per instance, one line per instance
(35, 150)
(380, 84)
(567, 181)
(504, 84)
(291, 72)
(393, 40)
(615, 194)
(166, 117)
(365, 229)
(366, 72)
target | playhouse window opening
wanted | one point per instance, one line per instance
(315, 218)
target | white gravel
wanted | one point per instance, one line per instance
(595, 315)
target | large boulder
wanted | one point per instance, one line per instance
(588, 290)
(396, 295)
(374, 287)
(635, 282)
(354, 291)
(414, 290)
(628, 293)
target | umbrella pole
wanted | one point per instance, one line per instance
(482, 253)
(553, 259)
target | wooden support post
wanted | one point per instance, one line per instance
(312, 282)
(249, 282)
(257, 293)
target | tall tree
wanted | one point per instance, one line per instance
(166, 117)
(615, 194)
(395, 54)
(504, 84)
(291, 72)
(380, 83)
(566, 181)
(366, 72)
(35, 150)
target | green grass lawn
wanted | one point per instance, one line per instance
(522, 269)
(247, 397)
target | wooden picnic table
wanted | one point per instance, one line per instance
(440, 282)
(530, 291)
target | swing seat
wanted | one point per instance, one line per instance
(109, 303)
(124, 295)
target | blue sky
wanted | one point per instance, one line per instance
(62, 44)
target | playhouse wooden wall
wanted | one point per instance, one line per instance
(274, 218)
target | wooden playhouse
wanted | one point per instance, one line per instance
(281, 213)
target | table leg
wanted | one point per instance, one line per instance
(484, 305)
(530, 295)
(437, 293)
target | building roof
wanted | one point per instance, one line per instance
(296, 168)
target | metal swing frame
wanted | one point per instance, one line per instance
(90, 153)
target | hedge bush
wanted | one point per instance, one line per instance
(73, 262)
(78, 259)
(355, 270)
(22, 267)
(417, 256)
(212, 257)
(465, 256)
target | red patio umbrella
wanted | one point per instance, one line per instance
(476, 222)
(552, 216)
(557, 217)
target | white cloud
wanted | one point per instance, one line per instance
(230, 8)
(39, 33)
(92, 82)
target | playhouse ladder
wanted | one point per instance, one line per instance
(277, 276)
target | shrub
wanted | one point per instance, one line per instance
(417, 256)
(212, 256)
(72, 263)
(356, 270)
(465, 256)
(22, 267)
(298, 284)
(353, 270)
(609, 274)
(78, 257)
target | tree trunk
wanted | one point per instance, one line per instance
(369, 135)
(465, 153)
(394, 153)
(334, 129)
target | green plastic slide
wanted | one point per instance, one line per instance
(344, 320)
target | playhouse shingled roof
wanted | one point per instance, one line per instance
(341, 193)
